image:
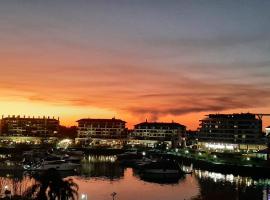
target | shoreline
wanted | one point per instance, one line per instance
(246, 168)
(255, 171)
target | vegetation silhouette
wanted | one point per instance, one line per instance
(51, 186)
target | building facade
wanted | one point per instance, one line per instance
(267, 131)
(101, 131)
(231, 131)
(29, 126)
(150, 133)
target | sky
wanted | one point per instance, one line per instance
(134, 59)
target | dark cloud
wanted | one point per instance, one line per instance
(227, 98)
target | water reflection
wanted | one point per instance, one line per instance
(101, 175)
(15, 181)
(212, 188)
(97, 166)
(159, 179)
(227, 186)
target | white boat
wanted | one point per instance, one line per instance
(66, 157)
(61, 165)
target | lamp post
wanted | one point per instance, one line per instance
(113, 195)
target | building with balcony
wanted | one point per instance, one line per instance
(231, 131)
(101, 132)
(28, 130)
(150, 133)
(29, 126)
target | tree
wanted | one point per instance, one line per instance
(50, 186)
(70, 132)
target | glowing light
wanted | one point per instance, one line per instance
(65, 143)
(84, 197)
(220, 146)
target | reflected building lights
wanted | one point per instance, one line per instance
(246, 181)
(98, 159)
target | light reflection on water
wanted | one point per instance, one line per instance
(101, 175)
(200, 185)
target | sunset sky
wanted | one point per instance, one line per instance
(134, 59)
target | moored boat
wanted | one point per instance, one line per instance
(61, 165)
(164, 170)
(129, 158)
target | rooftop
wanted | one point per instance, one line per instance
(18, 117)
(168, 124)
(100, 120)
(231, 116)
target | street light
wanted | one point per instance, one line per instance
(84, 197)
(113, 195)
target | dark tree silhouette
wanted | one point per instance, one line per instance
(70, 132)
(51, 186)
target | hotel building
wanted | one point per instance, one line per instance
(29, 126)
(150, 133)
(30, 130)
(101, 131)
(231, 131)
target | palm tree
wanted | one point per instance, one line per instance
(50, 186)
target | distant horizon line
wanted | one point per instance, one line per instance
(260, 115)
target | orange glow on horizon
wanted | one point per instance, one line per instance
(70, 114)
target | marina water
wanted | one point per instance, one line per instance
(101, 178)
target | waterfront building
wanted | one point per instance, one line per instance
(28, 130)
(231, 131)
(101, 132)
(267, 130)
(150, 133)
(29, 126)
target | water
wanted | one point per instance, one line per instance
(101, 176)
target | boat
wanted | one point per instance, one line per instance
(129, 158)
(66, 157)
(61, 165)
(74, 152)
(129, 155)
(163, 170)
(52, 160)
(140, 163)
